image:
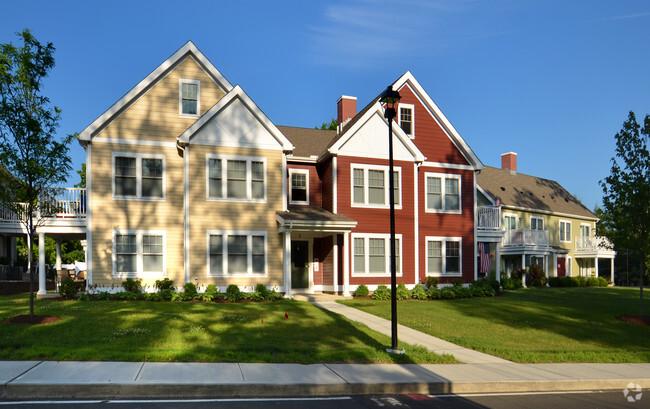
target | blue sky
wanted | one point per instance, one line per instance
(550, 80)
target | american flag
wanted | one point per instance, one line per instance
(484, 254)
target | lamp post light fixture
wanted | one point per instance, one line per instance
(390, 97)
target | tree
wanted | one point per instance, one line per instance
(82, 176)
(331, 126)
(626, 200)
(30, 152)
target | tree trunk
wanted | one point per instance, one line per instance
(30, 258)
(642, 273)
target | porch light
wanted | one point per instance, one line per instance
(390, 97)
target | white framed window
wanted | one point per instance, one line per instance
(298, 186)
(138, 176)
(584, 229)
(510, 221)
(407, 119)
(443, 193)
(444, 256)
(189, 98)
(565, 231)
(139, 253)
(235, 178)
(371, 254)
(568, 266)
(236, 253)
(370, 186)
(536, 223)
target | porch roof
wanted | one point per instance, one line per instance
(312, 218)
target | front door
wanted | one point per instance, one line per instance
(561, 266)
(299, 264)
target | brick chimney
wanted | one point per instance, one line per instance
(346, 108)
(509, 161)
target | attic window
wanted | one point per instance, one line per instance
(406, 119)
(189, 101)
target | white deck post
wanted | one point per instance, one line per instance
(346, 264)
(498, 256)
(42, 276)
(286, 254)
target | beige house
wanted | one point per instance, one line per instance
(184, 177)
(530, 220)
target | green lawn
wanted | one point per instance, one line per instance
(193, 332)
(532, 325)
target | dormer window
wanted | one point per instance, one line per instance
(406, 119)
(189, 102)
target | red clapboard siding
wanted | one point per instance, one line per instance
(315, 185)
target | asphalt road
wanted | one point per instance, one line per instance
(575, 400)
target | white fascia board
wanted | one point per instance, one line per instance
(189, 49)
(409, 80)
(486, 194)
(397, 131)
(236, 92)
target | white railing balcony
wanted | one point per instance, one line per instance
(488, 218)
(593, 243)
(526, 237)
(54, 202)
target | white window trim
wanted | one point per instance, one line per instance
(511, 215)
(530, 221)
(299, 172)
(565, 239)
(366, 253)
(586, 225)
(182, 81)
(444, 241)
(224, 178)
(384, 169)
(139, 254)
(567, 267)
(399, 118)
(224, 242)
(443, 181)
(138, 176)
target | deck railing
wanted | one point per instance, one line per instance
(526, 237)
(54, 202)
(593, 243)
(488, 218)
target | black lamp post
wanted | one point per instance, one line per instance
(390, 97)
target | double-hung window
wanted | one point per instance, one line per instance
(138, 253)
(236, 178)
(138, 176)
(565, 231)
(509, 221)
(444, 256)
(236, 253)
(299, 186)
(406, 119)
(370, 186)
(189, 98)
(443, 193)
(536, 223)
(372, 254)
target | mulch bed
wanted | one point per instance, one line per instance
(37, 319)
(636, 319)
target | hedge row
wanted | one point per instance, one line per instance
(578, 282)
(480, 288)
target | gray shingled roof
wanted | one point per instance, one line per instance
(530, 192)
(307, 141)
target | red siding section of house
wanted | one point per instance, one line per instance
(430, 138)
(327, 187)
(315, 186)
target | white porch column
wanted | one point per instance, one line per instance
(597, 275)
(58, 255)
(546, 265)
(335, 267)
(42, 276)
(611, 274)
(286, 263)
(498, 256)
(346, 264)
(523, 268)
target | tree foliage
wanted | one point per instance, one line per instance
(33, 158)
(626, 199)
(329, 126)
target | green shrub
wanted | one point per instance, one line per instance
(84, 297)
(381, 293)
(211, 293)
(555, 281)
(517, 274)
(189, 292)
(535, 277)
(167, 294)
(433, 293)
(457, 282)
(581, 281)
(432, 282)
(261, 288)
(255, 296)
(126, 296)
(361, 291)
(419, 292)
(164, 284)
(592, 282)
(104, 295)
(477, 292)
(132, 286)
(461, 292)
(233, 293)
(176, 296)
(273, 295)
(68, 289)
(154, 297)
(489, 292)
(447, 293)
(602, 282)
(510, 283)
(402, 293)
